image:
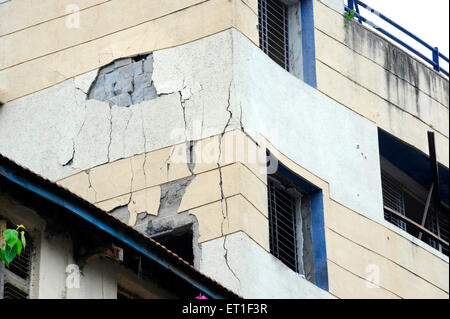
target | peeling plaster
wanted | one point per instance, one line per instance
(62, 132)
(124, 82)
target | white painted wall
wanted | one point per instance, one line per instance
(57, 132)
(316, 132)
(97, 279)
(337, 5)
(252, 272)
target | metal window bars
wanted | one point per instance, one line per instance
(273, 31)
(14, 281)
(436, 232)
(282, 225)
(393, 198)
(438, 223)
(436, 55)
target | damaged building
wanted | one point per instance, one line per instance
(237, 141)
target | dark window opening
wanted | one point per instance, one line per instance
(12, 292)
(273, 31)
(180, 242)
(290, 226)
(411, 199)
(404, 208)
(282, 223)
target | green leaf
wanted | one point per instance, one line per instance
(2, 254)
(11, 237)
(22, 238)
(19, 247)
(10, 254)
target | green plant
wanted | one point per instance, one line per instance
(13, 245)
(350, 15)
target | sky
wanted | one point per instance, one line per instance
(429, 20)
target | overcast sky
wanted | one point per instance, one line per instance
(429, 20)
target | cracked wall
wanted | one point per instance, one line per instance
(207, 90)
(145, 27)
(61, 131)
(214, 192)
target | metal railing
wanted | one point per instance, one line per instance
(436, 55)
(442, 242)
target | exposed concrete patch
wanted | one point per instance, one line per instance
(122, 213)
(125, 82)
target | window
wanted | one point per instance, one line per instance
(273, 31)
(280, 33)
(296, 226)
(180, 241)
(15, 280)
(404, 203)
(282, 223)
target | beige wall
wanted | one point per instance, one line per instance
(228, 195)
(60, 53)
(373, 77)
(140, 177)
(356, 245)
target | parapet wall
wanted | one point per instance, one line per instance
(370, 75)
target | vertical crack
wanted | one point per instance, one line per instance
(223, 199)
(126, 128)
(88, 172)
(145, 145)
(70, 162)
(110, 132)
(131, 192)
(190, 156)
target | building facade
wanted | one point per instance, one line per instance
(285, 144)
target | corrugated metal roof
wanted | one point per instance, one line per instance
(159, 248)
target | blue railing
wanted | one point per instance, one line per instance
(436, 55)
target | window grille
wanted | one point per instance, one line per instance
(437, 222)
(393, 198)
(273, 31)
(14, 281)
(282, 224)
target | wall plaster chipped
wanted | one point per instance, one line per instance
(125, 82)
(59, 132)
(167, 218)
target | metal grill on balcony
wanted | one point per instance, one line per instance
(393, 199)
(434, 232)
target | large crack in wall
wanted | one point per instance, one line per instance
(168, 218)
